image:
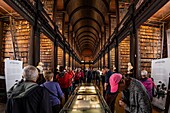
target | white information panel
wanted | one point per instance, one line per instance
(13, 72)
(160, 72)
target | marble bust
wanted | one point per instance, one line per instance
(40, 67)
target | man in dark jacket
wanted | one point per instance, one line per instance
(27, 96)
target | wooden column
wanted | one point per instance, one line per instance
(55, 54)
(64, 57)
(55, 50)
(34, 48)
(110, 23)
(69, 59)
(72, 61)
(68, 33)
(105, 38)
(55, 11)
(101, 40)
(116, 41)
(104, 63)
(1, 39)
(72, 39)
(108, 57)
(134, 49)
(63, 24)
(98, 64)
(101, 62)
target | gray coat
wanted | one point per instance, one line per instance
(139, 101)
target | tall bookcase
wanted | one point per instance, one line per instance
(112, 57)
(60, 56)
(124, 55)
(102, 61)
(106, 59)
(22, 37)
(67, 59)
(150, 43)
(71, 62)
(46, 52)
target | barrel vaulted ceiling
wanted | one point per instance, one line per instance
(87, 18)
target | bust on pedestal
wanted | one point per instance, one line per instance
(114, 68)
(129, 70)
(40, 67)
(40, 79)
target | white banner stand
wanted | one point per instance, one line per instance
(160, 72)
(13, 72)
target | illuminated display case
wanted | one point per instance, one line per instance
(86, 99)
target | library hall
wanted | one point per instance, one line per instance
(84, 56)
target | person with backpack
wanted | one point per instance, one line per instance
(27, 96)
(54, 90)
(64, 79)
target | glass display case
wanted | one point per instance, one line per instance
(86, 99)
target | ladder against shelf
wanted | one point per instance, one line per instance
(22, 37)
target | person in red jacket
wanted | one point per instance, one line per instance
(77, 77)
(63, 79)
(71, 74)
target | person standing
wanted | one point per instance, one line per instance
(89, 76)
(27, 96)
(77, 77)
(147, 82)
(108, 95)
(54, 90)
(114, 80)
(136, 99)
(82, 76)
(71, 74)
(64, 79)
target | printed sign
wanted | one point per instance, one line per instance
(160, 72)
(13, 72)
